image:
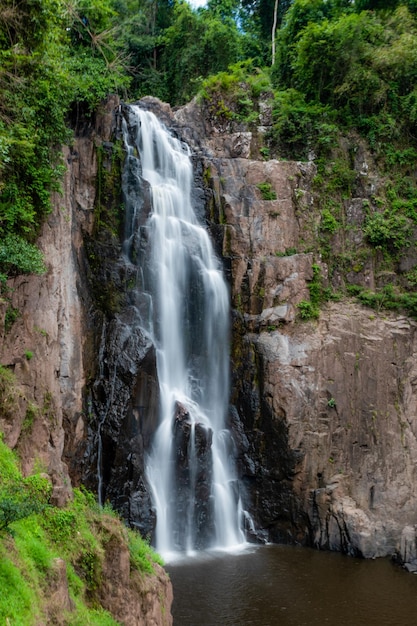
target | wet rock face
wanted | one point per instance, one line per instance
(124, 405)
(122, 394)
(193, 468)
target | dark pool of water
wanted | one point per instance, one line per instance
(286, 586)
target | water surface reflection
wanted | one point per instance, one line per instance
(287, 586)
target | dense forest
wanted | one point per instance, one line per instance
(327, 67)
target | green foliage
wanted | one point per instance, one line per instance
(193, 46)
(300, 14)
(388, 231)
(10, 393)
(141, 554)
(32, 122)
(360, 64)
(52, 53)
(19, 602)
(315, 286)
(307, 310)
(310, 309)
(332, 65)
(301, 129)
(17, 256)
(19, 498)
(329, 222)
(33, 534)
(267, 192)
(92, 79)
(31, 542)
(234, 95)
(60, 523)
(391, 298)
(31, 413)
(15, 505)
(9, 471)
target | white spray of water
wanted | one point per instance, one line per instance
(190, 329)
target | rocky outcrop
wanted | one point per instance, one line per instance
(193, 478)
(326, 410)
(133, 598)
(58, 348)
(344, 388)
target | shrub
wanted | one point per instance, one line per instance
(18, 256)
(308, 310)
(14, 507)
(328, 222)
(267, 192)
(234, 94)
(389, 231)
(10, 393)
(301, 128)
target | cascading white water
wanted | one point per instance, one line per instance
(193, 484)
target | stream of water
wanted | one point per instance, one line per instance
(286, 586)
(190, 468)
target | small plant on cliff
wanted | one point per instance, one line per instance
(388, 231)
(20, 498)
(310, 309)
(142, 556)
(11, 316)
(10, 392)
(307, 310)
(267, 192)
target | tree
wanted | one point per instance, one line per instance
(274, 28)
(260, 19)
(196, 44)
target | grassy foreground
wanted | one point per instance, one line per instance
(41, 544)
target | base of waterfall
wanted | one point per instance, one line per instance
(192, 556)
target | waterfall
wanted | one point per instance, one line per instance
(183, 303)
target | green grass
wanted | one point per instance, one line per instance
(35, 534)
(19, 603)
(142, 555)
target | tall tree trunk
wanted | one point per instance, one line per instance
(274, 28)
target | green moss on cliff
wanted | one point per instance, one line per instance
(44, 549)
(103, 248)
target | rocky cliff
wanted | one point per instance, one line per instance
(326, 417)
(50, 338)
(323, 410)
